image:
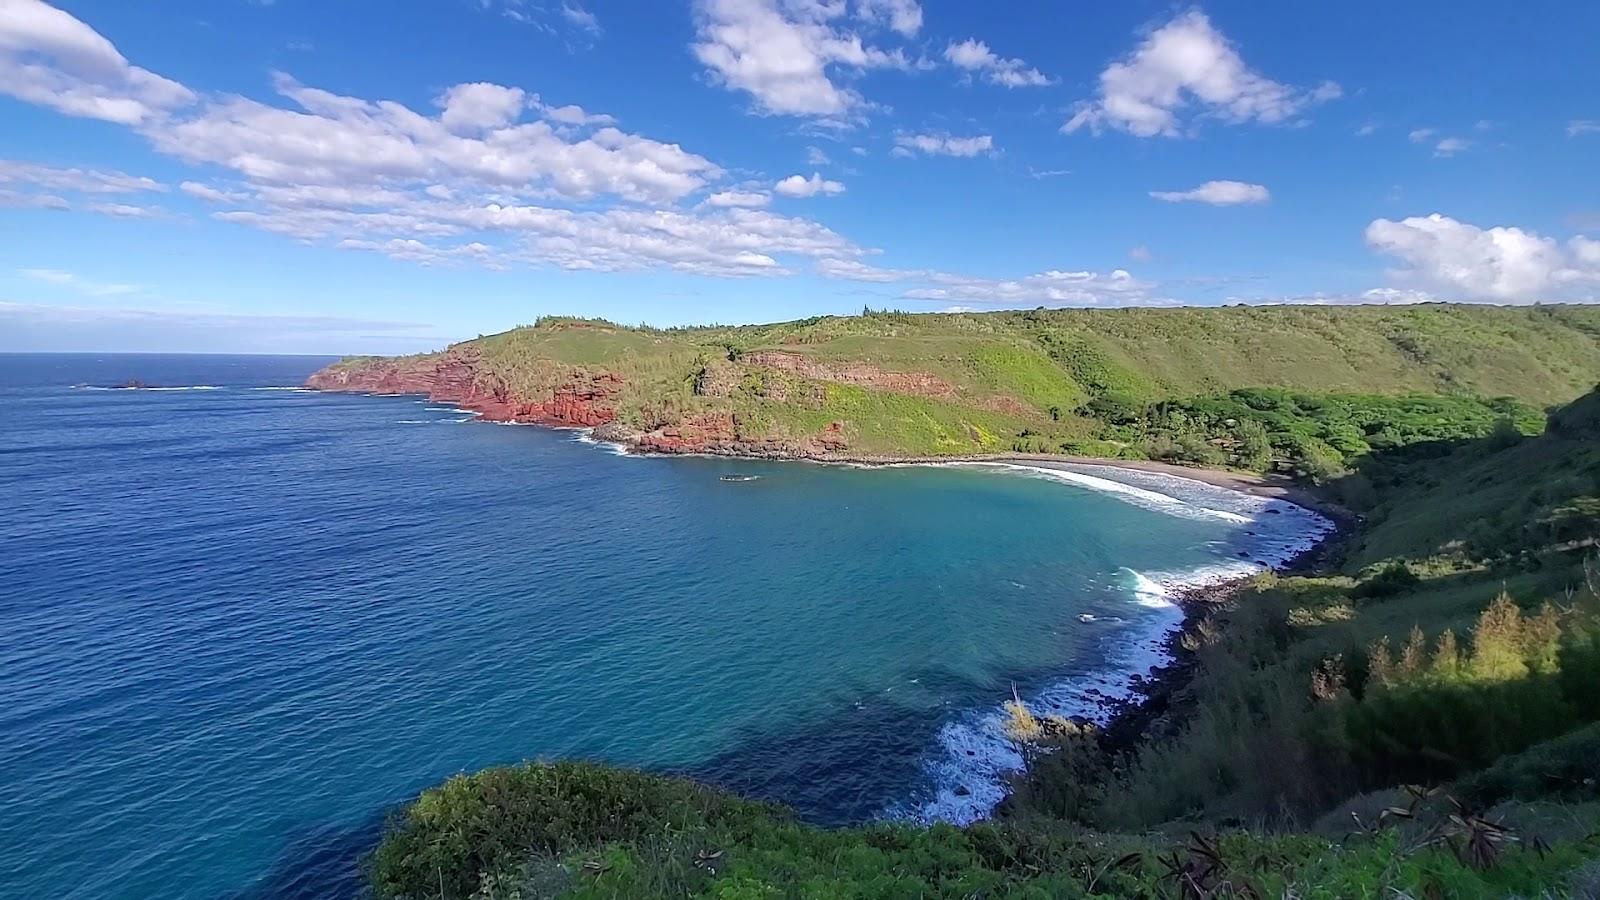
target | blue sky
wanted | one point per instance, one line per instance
(355, 176)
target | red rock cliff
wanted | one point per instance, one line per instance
(585, 399)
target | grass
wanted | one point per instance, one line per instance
(586, 831)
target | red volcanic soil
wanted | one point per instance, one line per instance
(456, 377)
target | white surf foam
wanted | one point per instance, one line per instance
(586, 436)
(1139, 496)
(968, 767)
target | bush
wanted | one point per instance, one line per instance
(1564, 768)
(1395, 578)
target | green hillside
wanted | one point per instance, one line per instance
(1419, 717)
(1179, 384)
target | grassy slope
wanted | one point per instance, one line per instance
(1008, 371)
(1469, 520)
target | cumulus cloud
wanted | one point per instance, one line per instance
(51, 59)
(1217, 193)
(480, 106)
(801, 186)
(1503, 264)
(1450, 146)
(974, 56)
(334, 139)
(487, 178)
(1184, 63)
(942, 145)
(785, 54)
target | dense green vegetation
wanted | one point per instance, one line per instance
(1418, 718)
(585, 831)
(1305, 390)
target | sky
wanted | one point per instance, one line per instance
(342, 176)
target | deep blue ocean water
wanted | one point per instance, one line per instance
(238, 625)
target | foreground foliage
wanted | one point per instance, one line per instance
(587, 831)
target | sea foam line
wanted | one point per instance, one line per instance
(973, 757)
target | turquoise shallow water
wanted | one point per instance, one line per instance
(241, 624)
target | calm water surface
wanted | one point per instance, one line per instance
(240, 624)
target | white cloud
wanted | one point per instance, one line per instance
(478, 107)
(51, 59)
(1117, 288)
(212, 194)
(1140, 253)
(572, 115)
(942, 144)
(346, 140)
(10, 199)
(855, 270)
(68, 279)
(903, 16)
(1503, 264)
(1183, 62)
(127, 210)
(748, 199)
(781, 54)
(88, 181)
(1373, 296)
(1583, 126)
(973, 55)
(1367, 130)
(477, 182)
(1422, 135)
(815, 157)
(580, 17)
(1218, 193)
(1450, 146)
(801, 186)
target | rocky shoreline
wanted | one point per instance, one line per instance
(1148, 712)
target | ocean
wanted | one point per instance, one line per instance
(243, 622)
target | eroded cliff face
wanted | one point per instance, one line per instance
(585, 399)
(458, 377)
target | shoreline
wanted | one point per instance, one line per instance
(1146, 699)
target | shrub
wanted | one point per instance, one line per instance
(1395, 578)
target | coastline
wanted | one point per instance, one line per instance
(1139, 696)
